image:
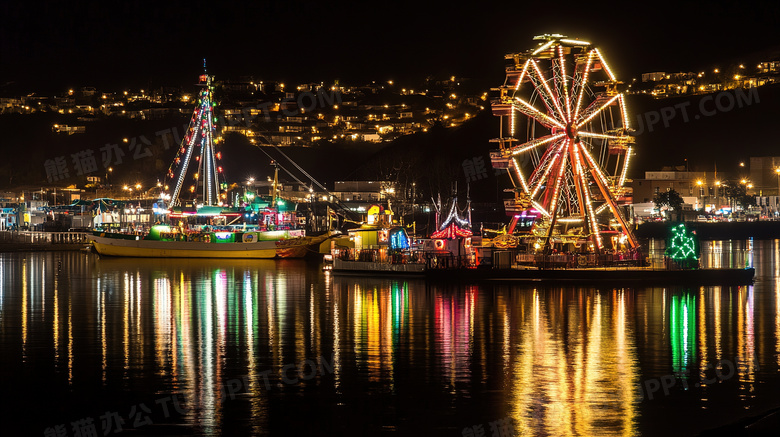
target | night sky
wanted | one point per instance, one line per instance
(53, 45)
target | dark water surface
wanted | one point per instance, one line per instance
(218, 347)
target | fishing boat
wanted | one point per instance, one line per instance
(198, 222)
(168, 241)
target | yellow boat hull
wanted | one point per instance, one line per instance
(180, 249)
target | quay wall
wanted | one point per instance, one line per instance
(21, 241)
(759, 230)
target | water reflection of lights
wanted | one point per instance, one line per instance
(746, 353)
(682, 326)
(561, 359)
(584, 387)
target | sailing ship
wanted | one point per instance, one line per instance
(202, 230)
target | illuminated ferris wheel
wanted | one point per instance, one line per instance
(565, 141)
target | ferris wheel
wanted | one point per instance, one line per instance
(565, 141)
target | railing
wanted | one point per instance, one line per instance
(39, 237)
(574, 260)
(652, 258)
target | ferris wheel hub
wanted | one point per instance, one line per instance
(572, 132)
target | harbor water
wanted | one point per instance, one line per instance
(266, 347)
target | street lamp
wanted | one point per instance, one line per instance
(777, 172)
(700, 184)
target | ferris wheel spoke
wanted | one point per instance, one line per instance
(520, 175)
(610, 200)
(600, 136)
(540, 117)
(605, 65)
(545, 162)
(522, 74)
(598, 105)
(593, 165)
(535, 143)
(625, 167)
(544, 90)
(538, 82)
(564, 82)
(576, 172)
(559, 177)
(624, 111)
(603, 186)
(584, 80)
(588, 208)
(537, 179)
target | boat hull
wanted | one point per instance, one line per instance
(375, 268)
(179, 249)
(614, 277)
(300, 247)
(630, 276)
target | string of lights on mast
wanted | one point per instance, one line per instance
(199, 139)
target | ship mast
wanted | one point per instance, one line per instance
(200, 139)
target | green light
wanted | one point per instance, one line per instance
(682, 244)
(682, 335)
